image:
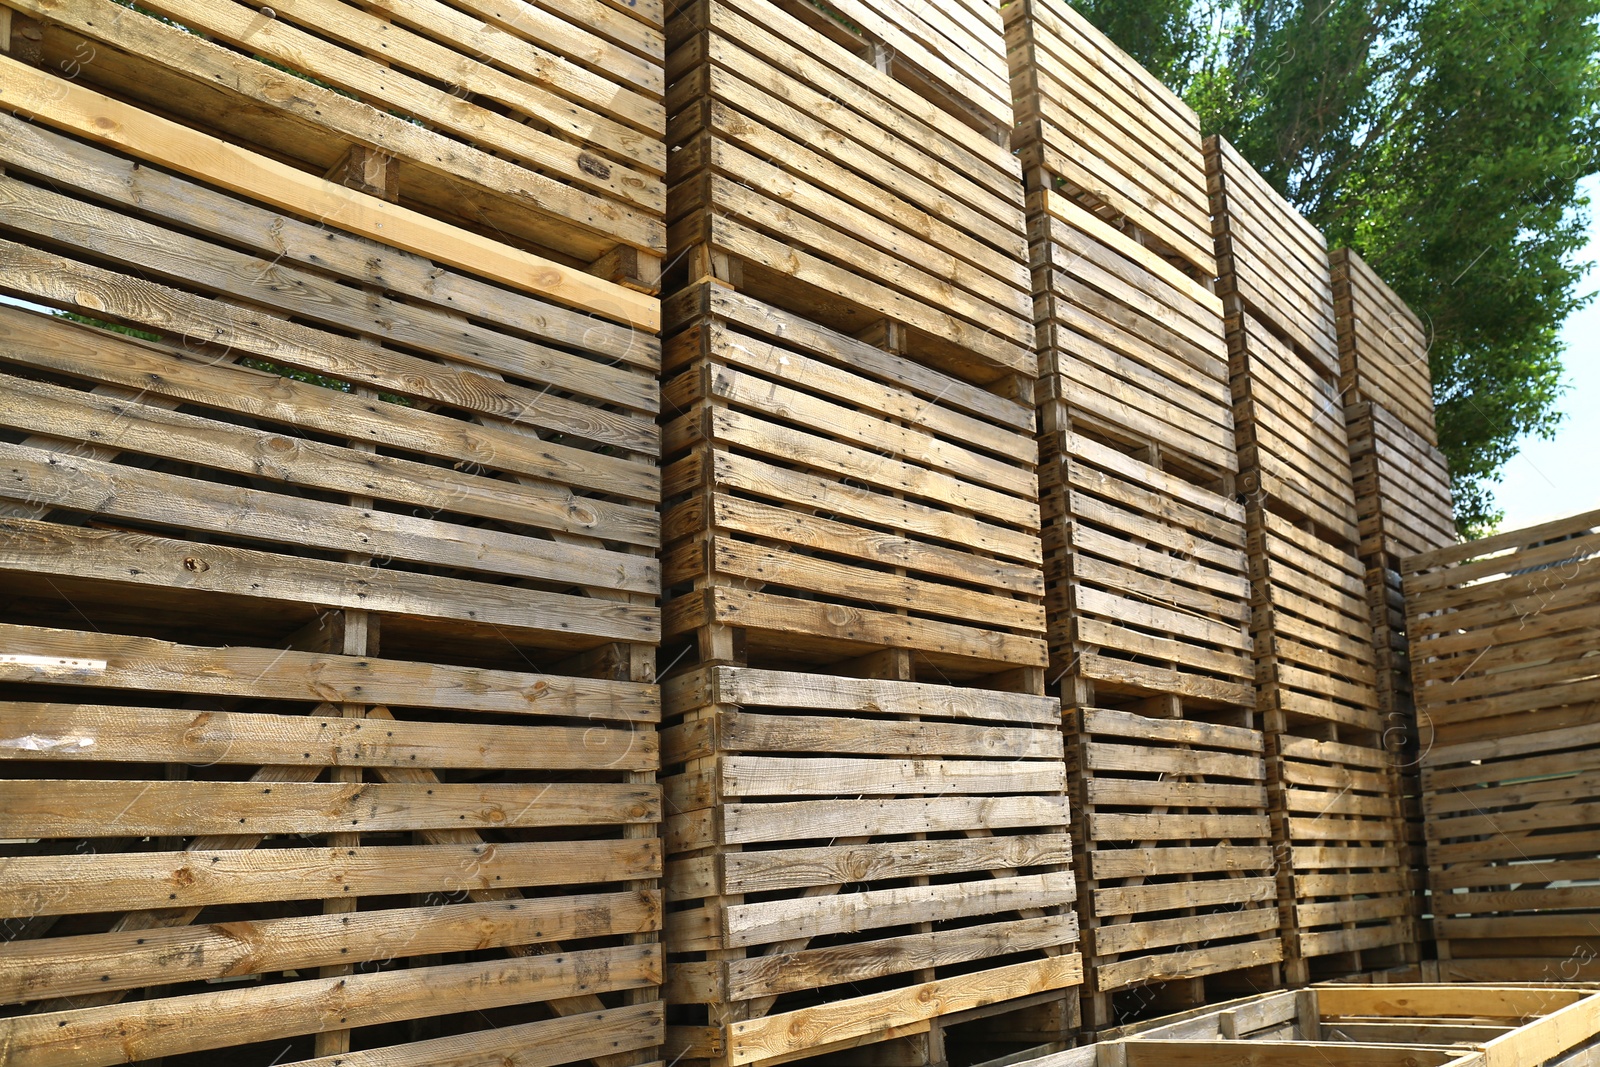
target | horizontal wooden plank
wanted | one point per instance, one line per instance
(1106, 826)
(745, 776)
(1168, 966)
(1156, 1053)
(1104, 722)
(759, 976)
(820, 735)
(1105, 756)
(1109, 792)
(116, 1033)
(750, 687)
(1183, 859)
(794, 868)
(112, 661)
(74, 966)
(803, 917)
(1186, 930)
(1132, 900)
(136, 881)
(58, 808)
(864, 628)
(69, 733)
(827, 819)
(541, 1044)
(758, 1040)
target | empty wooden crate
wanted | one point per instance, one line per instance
(858, 859)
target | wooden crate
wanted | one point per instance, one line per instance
(1096, 127)
(316, 423)
(951, 54)
(1271, 258)
(805, 176)
(540, 126)
(829, 499)
(1130, 348)
(187, 872)
(1403, 500)
(1148, 584)
(1383, 346)
(1350, 891)
(1339, 825)
(1382, 1025)
(857, 859)
(1503, 639)
(1175, 854)
(1294, 449)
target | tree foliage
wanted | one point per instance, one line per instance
(1443, 140)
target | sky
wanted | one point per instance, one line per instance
(1554, 479)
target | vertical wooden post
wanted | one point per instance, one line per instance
(370, 172)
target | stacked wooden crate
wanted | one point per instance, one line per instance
(1148, 588)
(328, 555)
(867, 820)
(1337, 817)
(1503, 648)
(1403, 504)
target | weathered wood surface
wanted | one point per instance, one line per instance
(1148, 584)
(953, 53)
(286, 421)
(1106, 132)
(1383, 346)
(828, 833)
(176, 820)
(1403, 498)
(1502, 634)
(1335, 778)
(1294, 448)
(1130, 347)
(804, 175)
(1271, 258)
(1337, 809)
(1175, 857)
(832, 499)
(1314, 654)
(537, 125)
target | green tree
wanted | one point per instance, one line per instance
(1443, 140)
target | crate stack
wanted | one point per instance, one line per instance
(867, 821)
(1503, 650)
(1148, 586)
(330, 533)
(1403, 504)
(1338, 823)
